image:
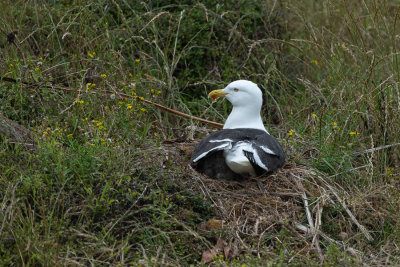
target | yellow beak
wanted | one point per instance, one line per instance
(217, 93)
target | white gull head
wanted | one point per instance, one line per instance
(246, 99)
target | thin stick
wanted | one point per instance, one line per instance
(122, 95)
(309, 216)
(314, 231)
(374, 149)
(307, 230)
(353, 169)
(173, 111)
(318, 218)
(352, 217)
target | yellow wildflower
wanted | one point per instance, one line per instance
(103, 75)
(89, 86)
(137, 60)
(129, 106)
(315, 62)
(313, 115)
(80, 101)
(354, 133)
(36, 69)
(45, 133)
(291, 132)
(69, 135)
(143, 109)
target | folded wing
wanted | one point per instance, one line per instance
(261, 149)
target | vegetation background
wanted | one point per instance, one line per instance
(96, 189)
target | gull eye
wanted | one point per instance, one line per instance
(235, 89)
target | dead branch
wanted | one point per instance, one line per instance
(123, 96)
(374, 149)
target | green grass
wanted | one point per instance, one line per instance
(101, 187)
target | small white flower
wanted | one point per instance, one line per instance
(132, 85)
(87, 134)
(112, 96)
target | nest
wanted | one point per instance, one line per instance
(293, 198)
(246, 205)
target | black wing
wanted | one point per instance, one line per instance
(208, 156)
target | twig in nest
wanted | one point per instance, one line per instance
(307, 230)
(314, 230)
(352, 217)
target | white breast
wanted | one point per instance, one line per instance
(236, 160)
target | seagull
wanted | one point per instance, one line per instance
(243, 148)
